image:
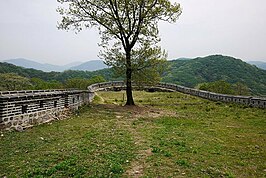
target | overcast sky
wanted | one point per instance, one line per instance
(230, 27)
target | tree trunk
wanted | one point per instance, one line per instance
(130, 100)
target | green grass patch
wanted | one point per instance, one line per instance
(167, 135)
(87, 145)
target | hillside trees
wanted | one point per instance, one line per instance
(241, 89)
(127, 27)
(39, 84)
(220, 86)
(81, 83)
(213, 68)
(11, 81)
(224, 87)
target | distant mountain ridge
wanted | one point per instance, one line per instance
(86, 66)
(90, 66)
(259, 64)
(34, 65)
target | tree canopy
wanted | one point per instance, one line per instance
(11, 81)
(127, 28)
(224, 87)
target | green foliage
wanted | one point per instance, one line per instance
(77, 83)
(39, 84)
(96, 79)
(129, 33)
(213, 68)
(220, 86)
(128, 22)
(224, 87)
(31, 79)
(182, 163)
(39, 80)
(148, 65)
(11, 81)
(82, 84)
(241, 89)
(244, 78)
(58, 76)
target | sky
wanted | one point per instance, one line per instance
(229, 27)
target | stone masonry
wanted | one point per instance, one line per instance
(22, 109)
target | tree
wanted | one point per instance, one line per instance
(127, 27)
(81, 83)
(77, 83)
(220, 86)
(147, 64)
(95, 79)
(39, 84)
(241, 89)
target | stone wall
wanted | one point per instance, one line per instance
(22, 109)
(246, 100)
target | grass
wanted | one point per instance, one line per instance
(167, 135)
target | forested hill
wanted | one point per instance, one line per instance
(49, 76)
(189, 73)
(216, 67)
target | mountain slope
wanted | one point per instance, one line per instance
(85, 66)
(90, 66)
(29, 73)
(35, 65)
(59, 76)
(216, 67)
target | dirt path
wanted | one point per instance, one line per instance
(126, 116)
(101, 98)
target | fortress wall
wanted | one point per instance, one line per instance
(246, 100)
(22, 109)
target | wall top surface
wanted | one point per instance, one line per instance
(36, 93)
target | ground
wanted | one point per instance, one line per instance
(165, 135)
